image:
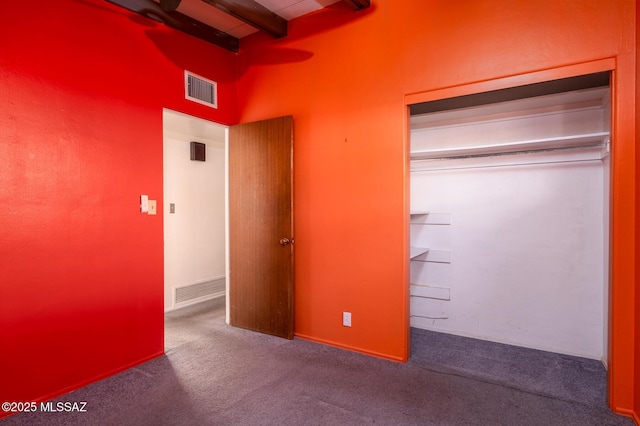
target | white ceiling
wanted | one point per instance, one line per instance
(287, 9)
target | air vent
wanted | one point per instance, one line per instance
(201, 90)
(200, 291)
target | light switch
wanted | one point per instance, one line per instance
(144, 203)
(152, 206)
(172, 208)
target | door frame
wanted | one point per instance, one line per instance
(226, 203)
(224, 127)
(622, 214)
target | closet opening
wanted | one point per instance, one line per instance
(509, 229)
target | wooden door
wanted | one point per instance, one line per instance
(261, 226)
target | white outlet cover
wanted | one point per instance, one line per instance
(346, 319)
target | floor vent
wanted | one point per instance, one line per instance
(198, 292)
(201, 90)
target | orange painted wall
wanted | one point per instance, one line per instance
(82, 87)
(637, 307)
(344, 76)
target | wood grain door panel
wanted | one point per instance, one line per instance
(260, 216)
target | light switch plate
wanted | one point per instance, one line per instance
(152, 206)
(144, 203)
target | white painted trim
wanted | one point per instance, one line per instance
(226, 220)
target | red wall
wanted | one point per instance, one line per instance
(82, 87)
(344, 77)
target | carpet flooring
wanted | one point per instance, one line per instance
(214, 374)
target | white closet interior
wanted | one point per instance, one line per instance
(510, 223)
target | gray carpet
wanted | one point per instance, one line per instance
(543, 373)
(213, 374)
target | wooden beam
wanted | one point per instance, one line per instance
(181, 22)
(254, 14)
(169, 5)
(358, 4)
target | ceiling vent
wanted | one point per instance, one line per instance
(201, 90)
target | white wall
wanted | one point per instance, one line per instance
(526, 241)
(194, 236)
(526, 248)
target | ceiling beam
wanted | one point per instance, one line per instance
(254, 14)
(180, 22)
(169, 5)
(358, 4)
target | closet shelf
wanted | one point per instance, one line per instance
(417, 251)
(562, 142)
(419, 213)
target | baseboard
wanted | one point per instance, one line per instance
(628, 413)
(83, 383)
(351, 348)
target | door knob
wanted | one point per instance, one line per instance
(284, 241)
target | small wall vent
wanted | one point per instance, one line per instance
(199, 291)
(201, 90)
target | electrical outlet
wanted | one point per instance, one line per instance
(346, 319)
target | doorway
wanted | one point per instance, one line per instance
(198, 225)
(510, 216)
(194, 210)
